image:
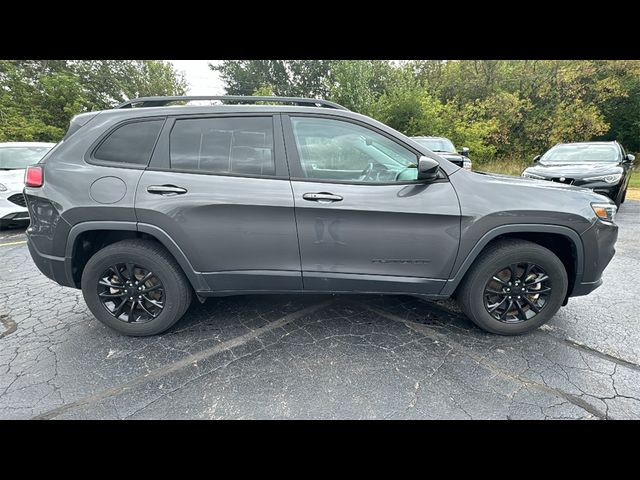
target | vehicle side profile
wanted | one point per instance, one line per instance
(147, 205)
(444, 147)
(15, 157)
(603, 167)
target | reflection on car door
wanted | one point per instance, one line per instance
(366, 236)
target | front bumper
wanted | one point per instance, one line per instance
(10, 212)
(599, 248)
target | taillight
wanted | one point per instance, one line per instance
(33, 176)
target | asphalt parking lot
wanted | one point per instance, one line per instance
(321, 357)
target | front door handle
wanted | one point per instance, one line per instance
(322, 197)
(166, 190)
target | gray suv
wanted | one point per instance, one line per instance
(149, 204)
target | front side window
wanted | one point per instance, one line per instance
(338, 150)
(130, 143)
(223, 145)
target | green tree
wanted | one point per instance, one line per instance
(288, 78)
(39, 97)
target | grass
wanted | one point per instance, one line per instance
(633, 191)
(515, 167)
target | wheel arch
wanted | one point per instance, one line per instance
(565, 242)
(86, 238)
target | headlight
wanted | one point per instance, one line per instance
(532, 175)
(605, 211)
(466, 164)
(2, 188)
(614, 178)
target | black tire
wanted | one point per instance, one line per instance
(624, 197)
(152, 256)
(471, 293)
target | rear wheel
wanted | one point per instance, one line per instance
(513, 288)
(135, 287)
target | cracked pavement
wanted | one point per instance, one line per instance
(318, 356)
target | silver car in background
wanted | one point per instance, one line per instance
(15, 157)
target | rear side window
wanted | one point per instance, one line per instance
(130, 143)
(236, 145)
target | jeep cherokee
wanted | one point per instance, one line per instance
(145, 205)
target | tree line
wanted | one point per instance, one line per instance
(505, 110)
(39, 97)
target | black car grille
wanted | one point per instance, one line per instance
(568, 181)
(18, 199)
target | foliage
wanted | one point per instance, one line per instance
(39, 97)
(503, 110)
(287, 78)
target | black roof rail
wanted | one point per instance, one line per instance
(164, 100)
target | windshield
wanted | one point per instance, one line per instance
(581, 153)
(14, 158)
(437, 144)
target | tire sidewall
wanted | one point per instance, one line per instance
(102, 260)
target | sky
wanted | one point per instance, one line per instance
(202, 80)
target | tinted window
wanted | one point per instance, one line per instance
(131, 143)
(337, 150)
(240, 145)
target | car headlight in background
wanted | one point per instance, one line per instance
(532, 175)
(466, 164)
(2, 188)
(613, 178)
(605, 211)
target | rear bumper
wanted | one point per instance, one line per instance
(50, 266)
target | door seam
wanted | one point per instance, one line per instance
(293, 196)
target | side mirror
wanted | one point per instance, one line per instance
(464, 152)
(427, 168)
(630, 158)
(536, 159)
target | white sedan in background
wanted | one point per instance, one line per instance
(15, 157)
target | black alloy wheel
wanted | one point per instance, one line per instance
(517, 293)
(131, 293)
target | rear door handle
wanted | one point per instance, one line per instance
(166, 190)
(322, 197)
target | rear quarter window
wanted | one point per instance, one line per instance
(131, 143)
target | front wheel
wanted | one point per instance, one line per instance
(135, 287)
(513, 288)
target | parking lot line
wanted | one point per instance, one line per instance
(12, 243)
(185, 362)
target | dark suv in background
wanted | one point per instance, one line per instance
(145, 207)
(603, 167)
(445, 148)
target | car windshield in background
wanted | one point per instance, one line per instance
(437, 144)
(581, 153)
(14, 158)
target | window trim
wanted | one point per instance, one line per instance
(161, 159)
(295, 166)
(90, 154)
